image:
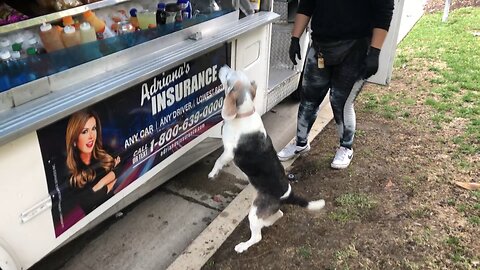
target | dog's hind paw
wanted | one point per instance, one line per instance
(242, 247)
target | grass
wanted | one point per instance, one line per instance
(304, 252)
(351, 206)
(344, 255)
(452, 54)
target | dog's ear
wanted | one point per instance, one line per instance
(253, 89)
(229, 110)
(223, 76)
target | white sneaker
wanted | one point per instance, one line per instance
(342, 158)
(292, 150)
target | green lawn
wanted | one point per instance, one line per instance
(451, 51)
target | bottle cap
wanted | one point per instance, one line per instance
(68, 21)
(161, 6)
(133, 12)
(16, 55)
(31, 51)
(19, 40)
(17, 47)
(85, 26)
(4, 42)
(27, 35)
(69, 29)
(88, 13)
(5, 55)
(32, 41)
(45, 27)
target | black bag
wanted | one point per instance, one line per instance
(333, 52)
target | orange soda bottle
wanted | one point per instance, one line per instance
(95, 22)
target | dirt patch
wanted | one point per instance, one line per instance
(395, 207)
(404, 173)
(438, 5)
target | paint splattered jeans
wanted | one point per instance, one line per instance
(342, 75)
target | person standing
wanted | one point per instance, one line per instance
(347, 36)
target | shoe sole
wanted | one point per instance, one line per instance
(339, 167)
(304, 151)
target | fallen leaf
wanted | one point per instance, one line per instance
(389, 185)
(468, 185)
(217, 198)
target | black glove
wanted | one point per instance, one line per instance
(294, 50)
(371, 62)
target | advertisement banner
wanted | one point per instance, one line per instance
(94, 153)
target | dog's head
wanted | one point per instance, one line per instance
(239, 93)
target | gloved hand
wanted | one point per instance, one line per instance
(294, 50)
(371, 62)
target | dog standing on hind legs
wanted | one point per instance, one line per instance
(246, 142)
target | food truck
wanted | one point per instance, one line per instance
(100, 98)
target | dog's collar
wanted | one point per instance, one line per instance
(242, 115)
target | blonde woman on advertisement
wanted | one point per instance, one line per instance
(93, 172)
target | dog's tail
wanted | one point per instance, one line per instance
(297, 200)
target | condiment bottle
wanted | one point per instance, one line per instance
(51, 38)
(70, 37)
(87, 33)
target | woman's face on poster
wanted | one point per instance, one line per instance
(88, 136)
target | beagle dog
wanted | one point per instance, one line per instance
(246, 142)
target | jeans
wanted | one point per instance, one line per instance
(343, 79)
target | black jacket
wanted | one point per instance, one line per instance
(346, 19)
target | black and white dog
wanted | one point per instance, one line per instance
(246, 142)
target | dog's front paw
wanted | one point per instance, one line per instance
(242, 247)
(213, 174)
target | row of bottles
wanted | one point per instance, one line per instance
(22, 54)
(57, 38)
(93, 28)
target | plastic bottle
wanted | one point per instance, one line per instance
(70, 37)
(33, 46)
(27, 35)
(36, 67)
(95, 22)
(5, 56)
(4, 81)
(18, 44)
(23, 72)
(147, 19)
(134, 18)
(87, 33)
(108, 32)
(185, 6)
(5, 45)
(161, 14)
(51, 38)
(15, 74)
(68, 21)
